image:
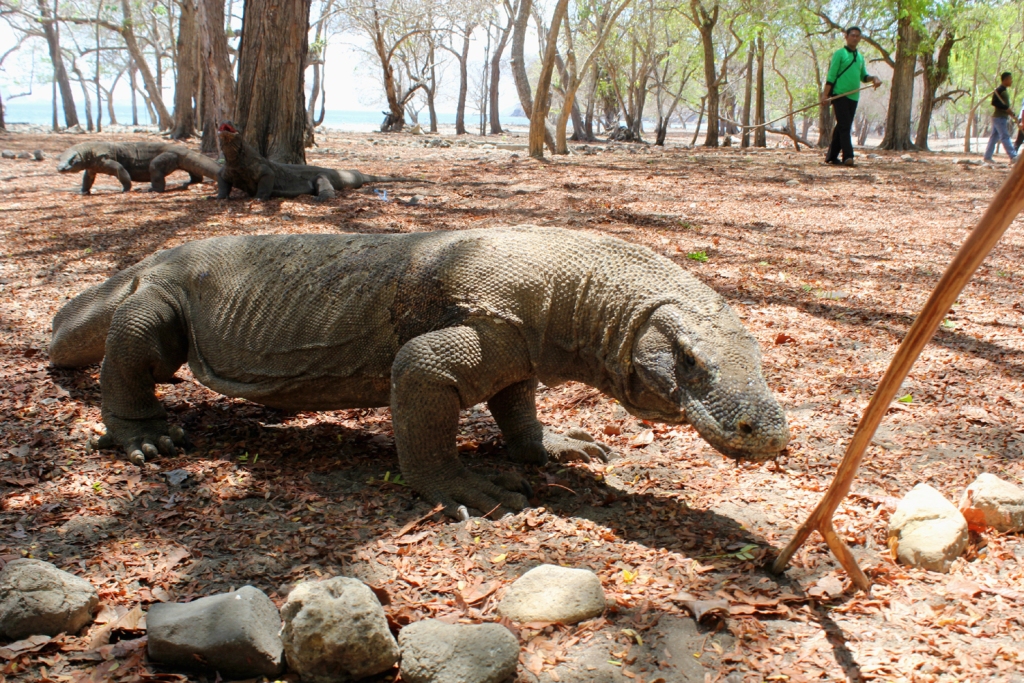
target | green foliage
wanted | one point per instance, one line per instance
(701, 256)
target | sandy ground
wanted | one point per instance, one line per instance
(826, 266)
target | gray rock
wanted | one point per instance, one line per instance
(436, 652)
(929, 531)
(8, 154)
(991, 502)
(24, 155)
(335, 630)
(555, 594)
(37, 599)
(38, 155)
(235, 634)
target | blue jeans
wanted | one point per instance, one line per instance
(1000, 133)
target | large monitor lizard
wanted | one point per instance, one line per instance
(259, 177)
(428, 323)
(138, 161)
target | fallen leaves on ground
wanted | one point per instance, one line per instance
(827, 275)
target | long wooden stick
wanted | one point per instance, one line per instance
(1007, 203)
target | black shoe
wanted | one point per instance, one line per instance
(849, 162)
(832, 162)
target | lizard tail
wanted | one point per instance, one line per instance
(80, 327)
(394, 179)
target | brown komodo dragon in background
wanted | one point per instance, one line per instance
(138, 161)
(259, 177)
(428, 323)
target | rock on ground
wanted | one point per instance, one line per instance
(335, 630)
(235, 634)
(928, 530)
(37, 599)
(555, 594)
(991, 502)
(436, 652)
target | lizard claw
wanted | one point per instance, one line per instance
(463, 513)
(575, 444)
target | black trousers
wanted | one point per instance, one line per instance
(845, 110)
(1020, 139)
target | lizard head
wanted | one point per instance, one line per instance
(73, 159)
(230, 139)
(708, 375)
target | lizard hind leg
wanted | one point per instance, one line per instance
(433, 377)
(323, 188)
(160, 167)
(146, 344)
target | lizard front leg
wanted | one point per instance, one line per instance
(433, 376)
(88, 178)
(515, 410)
(111, 167)
(146, 344)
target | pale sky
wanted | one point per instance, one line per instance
(351, 80)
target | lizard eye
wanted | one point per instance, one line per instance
(689, 360)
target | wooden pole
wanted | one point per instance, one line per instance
(1007, 203)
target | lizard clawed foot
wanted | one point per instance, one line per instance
(141, 440)
(471, 492)
(575, 444)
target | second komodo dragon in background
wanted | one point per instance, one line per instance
(138, 161)
(259, 177)
(428, 323)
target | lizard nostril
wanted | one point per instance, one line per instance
(744, 428)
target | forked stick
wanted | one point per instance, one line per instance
(1005, 206)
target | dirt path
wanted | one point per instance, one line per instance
(827, 266)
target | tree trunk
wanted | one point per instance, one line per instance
(519, 75)
(164, 120)
(760, 135)
(3, 126)
(460, 107)
(60, 74)
(85, 93)
(218, 82)
(747, 92)
(901, 94)
(705, 22)
(134, 88)
(542, 101)
(936, 72)
(270, 108)
(188, 73)
(496, 75)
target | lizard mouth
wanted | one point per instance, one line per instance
(227, 128)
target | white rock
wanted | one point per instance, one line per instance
(906, 157)
(929, 531)
(335, 630)
(792, 182)
(436, 652)
(37, 599)
(554, 594)
(990, 501)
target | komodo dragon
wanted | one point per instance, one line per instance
(428, 323)
(247, 169)
(138, 161)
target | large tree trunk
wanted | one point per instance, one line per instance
(185, 86)
(936, 72)
(269, 97)
(760, 135)
(60, 74)
(519, 75)
(496, 76)
(705, 22)
(901, 95)
(542, 101)
(460, 107)
(164, 119)
(218, 77)
(747, 92)
(3, 126)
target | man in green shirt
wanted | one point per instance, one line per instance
(845, 74)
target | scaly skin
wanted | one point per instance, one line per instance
(259, 177)
(139, 161)
(427, 323)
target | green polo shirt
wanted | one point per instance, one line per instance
(847, 72)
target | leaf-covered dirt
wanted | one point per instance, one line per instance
(827, 267)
